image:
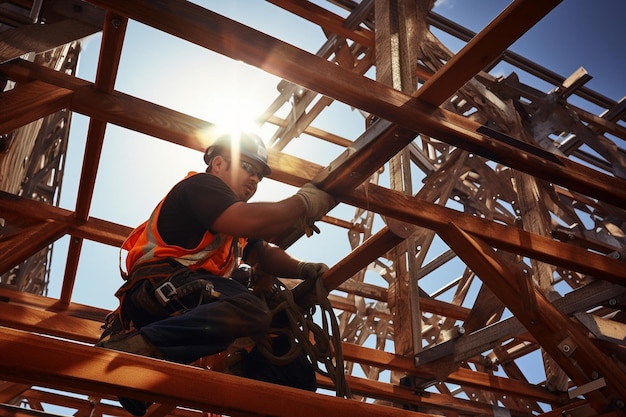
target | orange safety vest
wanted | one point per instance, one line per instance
(216, 253)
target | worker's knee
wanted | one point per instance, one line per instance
(255, 317)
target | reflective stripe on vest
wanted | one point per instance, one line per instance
(215, 252)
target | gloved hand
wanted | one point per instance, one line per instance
(308, 227)
(317, 202)
(311, 270)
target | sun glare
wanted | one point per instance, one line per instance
(235, 103)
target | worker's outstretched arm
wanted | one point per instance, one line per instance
(266, 220)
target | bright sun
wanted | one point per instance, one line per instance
(233, 103)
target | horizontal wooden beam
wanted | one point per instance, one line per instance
(404, 208)
(27, 241)
(45, 315)
(47, 322)
(326, 20)
(431, 403)
(39, 38)
(456, 375)
(435, 217)
(29, 102)
(71, 366)
(94, 229)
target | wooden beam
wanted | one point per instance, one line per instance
(108, 62)
(600, 123)
(326, 20)
(110, 52)
(360, 257)
(67, 365)
(604, 329)
(431, 403)
(432, 216)
(84, 406)
(55, 324)
(454, 375)
(94, 229)
(427, 304)
(31, 101)
(40, 38)
(28, 241)
(484, 48)
(78, 322)
(40, 302)
(565, 342)
(10, 390)
(582, 299)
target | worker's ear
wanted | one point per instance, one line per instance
(220, 163)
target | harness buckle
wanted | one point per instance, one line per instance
(165, 292)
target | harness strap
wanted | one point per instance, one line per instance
(155, 272)
(170, 291)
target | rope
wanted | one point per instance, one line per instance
(321, 344)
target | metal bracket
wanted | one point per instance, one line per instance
(567, 346)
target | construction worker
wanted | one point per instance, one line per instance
(178, 302)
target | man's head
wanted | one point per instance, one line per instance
(240, 160)
(244, 143)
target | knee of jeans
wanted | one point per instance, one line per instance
(259, 313)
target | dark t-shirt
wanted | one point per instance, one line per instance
(191, 207)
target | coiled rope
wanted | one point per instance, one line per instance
(322, 344)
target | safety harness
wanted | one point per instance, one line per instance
(162, 287)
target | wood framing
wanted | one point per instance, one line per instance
(511, 199)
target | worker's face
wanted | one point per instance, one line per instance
(240, 173)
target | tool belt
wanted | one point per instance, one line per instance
(161, 289)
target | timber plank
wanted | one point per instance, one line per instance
(411, 210)
(43, 315)
(94, 229)
(461, 376)
(327, 20)
(68, 365)
(484, 48)
(60, 325)
(28, 241)
(31, 101)
(40, 38)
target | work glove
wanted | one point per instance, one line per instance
(311, 270)
(317, 202)
(307, 226)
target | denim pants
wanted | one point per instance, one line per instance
(203, 329)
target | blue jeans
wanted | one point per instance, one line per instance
(204, 329)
